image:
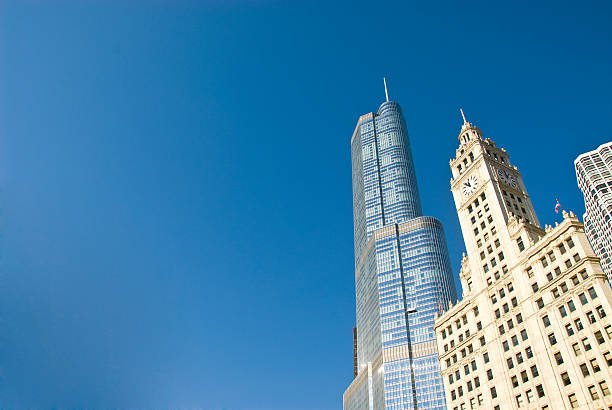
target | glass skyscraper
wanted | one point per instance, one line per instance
(403, 275)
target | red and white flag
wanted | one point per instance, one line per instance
(557, 207)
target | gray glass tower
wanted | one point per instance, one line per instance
(402, 272)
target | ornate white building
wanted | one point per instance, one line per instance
(534, 327)
(594, 173)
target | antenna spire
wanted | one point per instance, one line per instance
(386, 92)
(463, 115)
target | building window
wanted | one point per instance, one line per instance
(608, 358)
(595, 365)
(540, 303)
(519, 400)
(546, 321)
(578, 323)
(565, 379)
(524, 376)
(552, 339)
(540, 390)
(601, 312)
(489, 374)
(529, 352)
(591, 316)
(562, 311)
(592, 293)
(493, 392)
(510, 363)
(573, 401)
(569, 329)
(577, 350)
(571, 305)
(534, 372)
(559, 358)
(584, 369)
(583, 299)
(604, 388)
(593, 392)
(599, 337)
(586, 344)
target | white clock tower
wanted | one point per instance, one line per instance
(496, 215)
(534, 327)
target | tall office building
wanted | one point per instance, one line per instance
(533, 329)
(402, 272)
(594, 173)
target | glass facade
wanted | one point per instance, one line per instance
(403, 275)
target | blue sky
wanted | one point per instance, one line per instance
(176, 207)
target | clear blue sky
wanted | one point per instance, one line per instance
(176, 207)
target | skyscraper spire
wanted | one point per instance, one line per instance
(463, 115)
(386, 93)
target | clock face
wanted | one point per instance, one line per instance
(506, 177)
(470, 185)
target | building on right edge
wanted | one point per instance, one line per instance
(534, 328)
(594, 173)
